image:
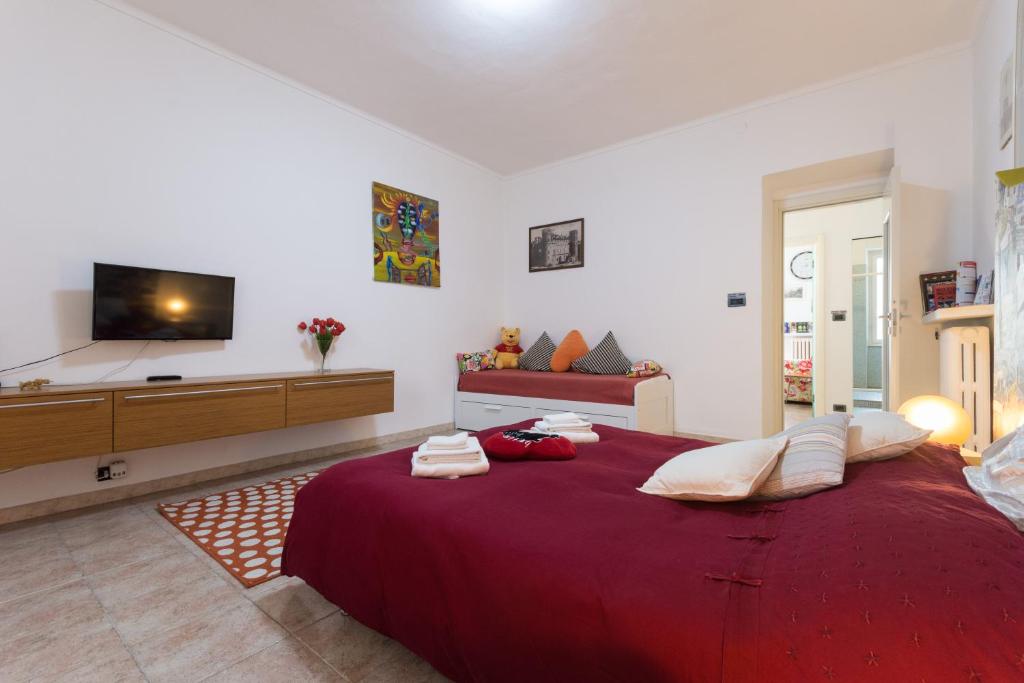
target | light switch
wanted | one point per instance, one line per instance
(737, 299)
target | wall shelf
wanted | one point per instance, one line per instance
(959, 313)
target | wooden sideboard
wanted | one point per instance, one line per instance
(74, 421)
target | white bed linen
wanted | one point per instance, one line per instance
(999, 480)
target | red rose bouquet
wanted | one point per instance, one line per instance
(324, 331)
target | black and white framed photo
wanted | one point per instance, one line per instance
(556, 246)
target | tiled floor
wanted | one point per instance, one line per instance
(795, 413)
(118, 594)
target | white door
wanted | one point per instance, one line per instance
(918, 230)
(891, 340)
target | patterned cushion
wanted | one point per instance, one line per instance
(475, 361)
(604, 359)
(798, 368)
(644, 368)
(538, 356)
(813, 460)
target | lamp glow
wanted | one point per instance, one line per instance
(176, 305)
(948, 421)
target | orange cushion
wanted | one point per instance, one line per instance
(571, 348)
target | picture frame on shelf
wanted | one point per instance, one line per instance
(938, 290)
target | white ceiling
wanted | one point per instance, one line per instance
(514, 84)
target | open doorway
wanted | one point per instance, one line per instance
(835, 290)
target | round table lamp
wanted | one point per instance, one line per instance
(947, 419)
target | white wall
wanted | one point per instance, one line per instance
(123, 143)
(797, 309)
(993, 43)
(674, 222)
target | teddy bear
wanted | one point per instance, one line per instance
(507, 352)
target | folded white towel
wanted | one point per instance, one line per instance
(452, 470)
(471, 446)
(575, 437)
(562, 418)
(581, 427)
(454, 441)
(449, 457)
(585, 427)
(425, 459)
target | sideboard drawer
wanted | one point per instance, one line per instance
(48, 427)
(320, 399)
(159, 417)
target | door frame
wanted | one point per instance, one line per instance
(833, 182)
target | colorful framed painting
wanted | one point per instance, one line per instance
(556, 246)
(406, 237)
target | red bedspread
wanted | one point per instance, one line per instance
(561, 571)
(568, 386)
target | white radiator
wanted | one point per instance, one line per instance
(799, 348)
(965, 376)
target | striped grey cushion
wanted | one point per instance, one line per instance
(604, 359)
(814, 459)
(538, 356)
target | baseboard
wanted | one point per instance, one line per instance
(78, 501)
(705, 437)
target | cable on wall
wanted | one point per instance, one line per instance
(125, 366)
(56, 355)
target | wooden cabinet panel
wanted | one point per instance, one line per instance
(37, 429)
(334, 398)
(158, 417)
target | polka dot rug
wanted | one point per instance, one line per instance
(243, 529)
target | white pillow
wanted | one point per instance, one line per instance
(730, 471)
(880, 436)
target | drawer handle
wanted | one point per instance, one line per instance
(365, 380)
(493, 408)
(52, 403)
(201, 392)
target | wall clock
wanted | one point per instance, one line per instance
(802, 265)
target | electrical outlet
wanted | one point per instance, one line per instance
(118, 469)
(838, 407)
(103, 473)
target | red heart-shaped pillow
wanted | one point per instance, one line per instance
(521, 445)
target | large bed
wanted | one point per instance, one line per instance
(562, 571)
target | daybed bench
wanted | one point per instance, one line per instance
(497, 397)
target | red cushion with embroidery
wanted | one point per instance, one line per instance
(521, 445)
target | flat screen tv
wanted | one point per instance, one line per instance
(143, 303)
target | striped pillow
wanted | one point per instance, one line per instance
(813, 460)
(604, 359)
(538, 356)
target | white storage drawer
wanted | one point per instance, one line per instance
(477, 416)
(596, 418)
